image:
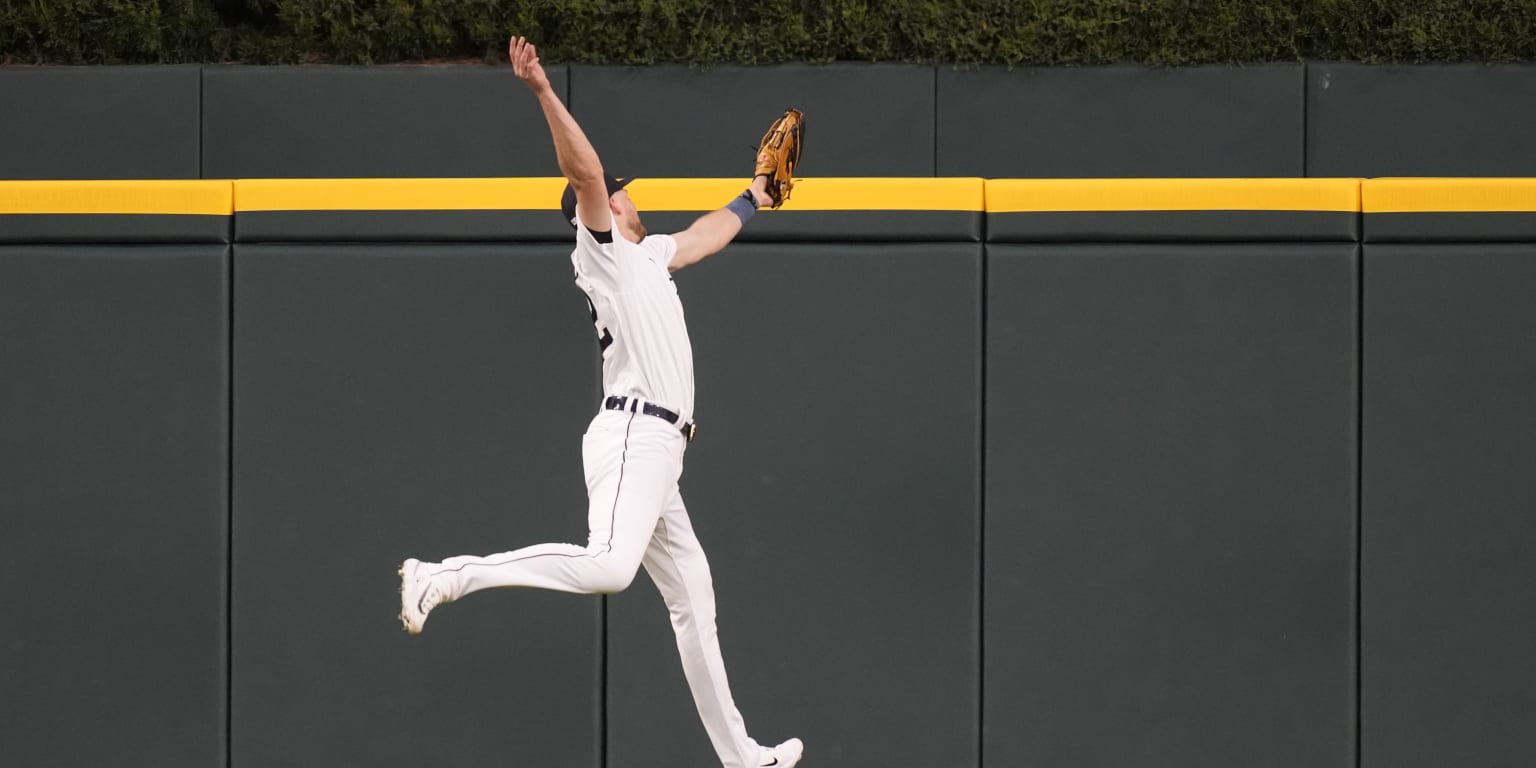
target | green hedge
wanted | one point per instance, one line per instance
(1024, 32)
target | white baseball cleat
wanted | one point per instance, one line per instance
(783, 756)
(419, 594)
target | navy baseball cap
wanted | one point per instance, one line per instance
(568, 199)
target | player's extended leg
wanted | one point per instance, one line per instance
(631, 468)
(676, 563)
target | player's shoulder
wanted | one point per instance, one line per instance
(586, 238)
(659, 246)
(595, 237)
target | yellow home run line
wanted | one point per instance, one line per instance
(220, 198)
(398, 194)
(813, 194)
(196, 198)
(818, 194)
(1448, 195)
(1065, 195)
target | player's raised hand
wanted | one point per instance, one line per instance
(525, 62)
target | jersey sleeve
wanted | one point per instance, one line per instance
(662, 247)
(598, 260)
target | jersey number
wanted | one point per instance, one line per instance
(604, 338)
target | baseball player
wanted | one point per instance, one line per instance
(633, 449)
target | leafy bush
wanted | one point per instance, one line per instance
(1015, 32)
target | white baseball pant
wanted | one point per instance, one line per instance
(635, 516)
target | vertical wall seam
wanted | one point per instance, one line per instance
(1359, 591)
(229, 434)
(981, 459)
(936, 121)
(200, 107)
(981, 507)
(602, 682)
(1306, 117)
(229, 515)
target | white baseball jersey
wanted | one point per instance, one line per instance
(632, 462)
(639, 318)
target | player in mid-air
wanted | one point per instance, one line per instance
(633, 449)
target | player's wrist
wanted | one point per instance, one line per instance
(743, 205)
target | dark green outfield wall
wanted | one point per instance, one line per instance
(1170, 499)
(1448, 514)
(1067, 489)
(1163, 500)
(114, 448)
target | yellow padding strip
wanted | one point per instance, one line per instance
(198, 198)
(1039, 195)
(398, 194)
(817, 194)
(1448, 195)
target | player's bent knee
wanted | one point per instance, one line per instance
(611, 579)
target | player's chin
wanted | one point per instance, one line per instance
(640, 230)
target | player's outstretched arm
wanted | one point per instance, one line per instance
(778, 154)
(577, 158)
(716, 229)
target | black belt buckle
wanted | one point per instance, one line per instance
(691, 431)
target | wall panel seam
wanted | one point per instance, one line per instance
(1359, 498)
(229, 508)
(1306, 117)
(981, 510)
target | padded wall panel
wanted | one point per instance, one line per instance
(1172, 226)
(394, 401)
(1449, 534)
(1464, 227)
(1170, 505)
(673, 120)
(113, 499)
(1120, 121)
(99, 123)
(834, 485)
(1423, 120)
(109, 229)
(345, 122)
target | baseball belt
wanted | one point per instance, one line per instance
(622, 403)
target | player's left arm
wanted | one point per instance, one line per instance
(714, 230)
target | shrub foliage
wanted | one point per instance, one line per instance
(1016, 32)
